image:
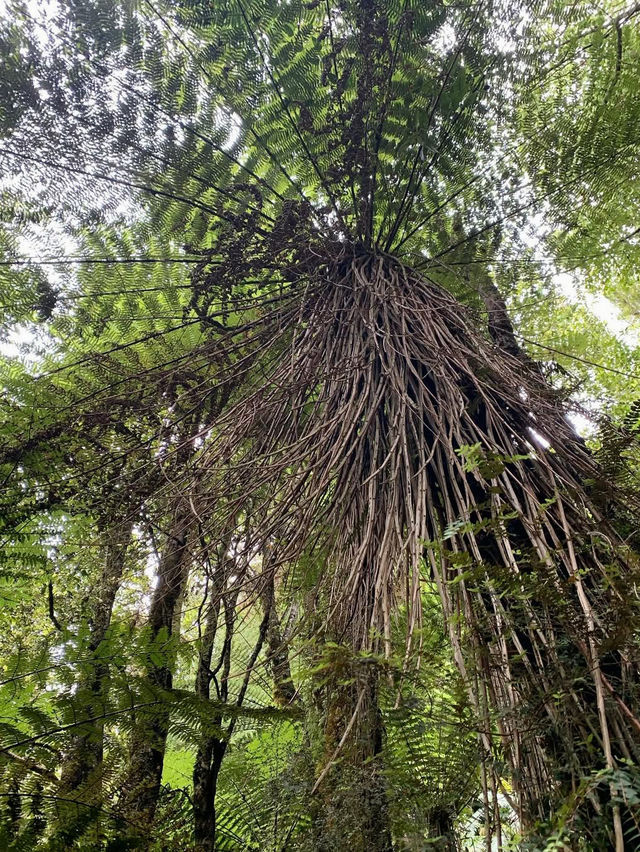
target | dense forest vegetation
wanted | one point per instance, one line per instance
(319, 424)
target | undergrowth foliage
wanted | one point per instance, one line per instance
(263, 251)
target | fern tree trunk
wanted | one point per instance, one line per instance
(141, 787)
(83, 761)
(350, 808)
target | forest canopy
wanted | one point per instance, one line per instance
(319, 421)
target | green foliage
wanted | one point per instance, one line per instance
(177, 172)
(581, 126)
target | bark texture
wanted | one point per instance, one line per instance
(83, 761)
(284, 691)
(141, 787)
(211, 749)
(350, 808)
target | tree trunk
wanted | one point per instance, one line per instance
(148, 742)
(213, 746)
(205, 780)
(351, 810)
(83, 761)
(284, 690)
(211, 749)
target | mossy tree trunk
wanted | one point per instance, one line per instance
(350, 809)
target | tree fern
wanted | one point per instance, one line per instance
(267, 248)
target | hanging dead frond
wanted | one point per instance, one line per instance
(384, 426)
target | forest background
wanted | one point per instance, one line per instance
(319, 417)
